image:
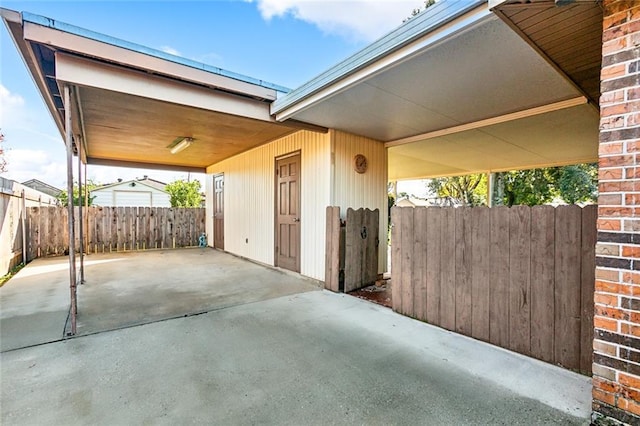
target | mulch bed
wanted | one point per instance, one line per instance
(379, 293)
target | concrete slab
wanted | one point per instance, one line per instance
(310, 358)
(132, 288)
(135, 288)
(34, 304)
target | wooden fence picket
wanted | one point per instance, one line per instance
(113, 229)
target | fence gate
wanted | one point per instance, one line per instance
(351, 249)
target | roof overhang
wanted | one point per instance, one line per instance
(454, 90)
(129, 103)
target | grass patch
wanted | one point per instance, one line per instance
(11, 273)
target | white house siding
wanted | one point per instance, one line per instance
(368, 190)
(131, 196)
(249, 196)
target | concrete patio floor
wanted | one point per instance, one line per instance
(304, 357)
(132, 288)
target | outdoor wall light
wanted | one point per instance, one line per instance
(181, 143)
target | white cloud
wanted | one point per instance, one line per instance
(20, 122)
(11, 106)
(32, 147)
(25, 164)
(170, 50)
(360, 20)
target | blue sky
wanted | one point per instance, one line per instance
(287, 42)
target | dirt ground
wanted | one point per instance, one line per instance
(379, 293)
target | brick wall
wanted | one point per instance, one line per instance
(616, 358)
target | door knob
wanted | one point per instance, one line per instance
(296, 219)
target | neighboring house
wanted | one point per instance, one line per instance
(43, 187)
(411, 202)
(143, 192)
(427, 202)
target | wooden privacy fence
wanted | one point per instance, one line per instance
(521, 277)
(114, 229)
(351, 249)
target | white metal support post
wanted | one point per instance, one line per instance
(72, 249)
(491, 182)
(86, 210)
(80, 208)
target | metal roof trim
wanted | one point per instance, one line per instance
(422, 24)
(82, 32)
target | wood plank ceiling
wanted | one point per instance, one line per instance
(569, 37)
(122, 128)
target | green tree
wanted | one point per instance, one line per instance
(78, 199)
(579, 183)
(3, 161)
(468, 190)
(571, 184)
(184, 193)
(526, 187)
(416, 11)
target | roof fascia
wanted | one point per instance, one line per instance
(141, 165)
(442, 20)
(80, 71)
(78, 40)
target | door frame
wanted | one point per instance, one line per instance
(275, 205)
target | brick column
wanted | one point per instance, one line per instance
(616, 357)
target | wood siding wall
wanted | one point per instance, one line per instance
(521, 277)
(249, 199)
(353, 190)
(114, 229)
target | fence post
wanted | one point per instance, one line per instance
(332, 262)
(23, 213)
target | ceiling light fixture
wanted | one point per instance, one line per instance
(183, 143)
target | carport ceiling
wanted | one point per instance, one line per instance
(569, 36)
(538, 141)
(431, 101)
(122, 128)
